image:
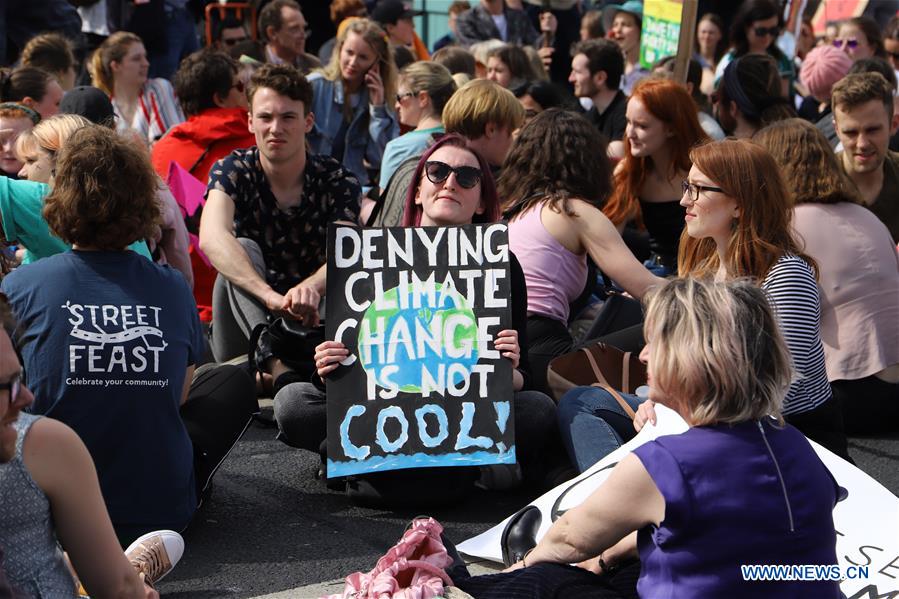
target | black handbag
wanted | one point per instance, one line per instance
(289, 341)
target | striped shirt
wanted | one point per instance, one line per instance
(157, 111)
(793, 292)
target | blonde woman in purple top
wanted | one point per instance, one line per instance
(739, 487)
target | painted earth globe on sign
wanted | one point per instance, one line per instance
(423, 333)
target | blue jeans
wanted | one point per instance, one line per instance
(593, 425)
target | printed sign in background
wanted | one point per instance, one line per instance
(661, 30)
(418, 308)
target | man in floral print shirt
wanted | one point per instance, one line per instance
(265, 223)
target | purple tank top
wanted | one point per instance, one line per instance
(746, 494)
(554, 275)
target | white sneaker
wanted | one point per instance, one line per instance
(156, 553)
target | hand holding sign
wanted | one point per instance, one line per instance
(507, 344)
(420, 316)
(645, 413)
(328, 356)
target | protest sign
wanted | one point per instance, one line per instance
(866, 519)
(419, 309)
(668, 29)
(661, 31)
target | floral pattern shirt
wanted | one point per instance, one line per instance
(293, 241)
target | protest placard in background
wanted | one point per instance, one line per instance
(660, 32)
(418, 308)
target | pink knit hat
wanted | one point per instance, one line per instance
(822, 67)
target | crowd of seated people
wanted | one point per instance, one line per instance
(161, 204)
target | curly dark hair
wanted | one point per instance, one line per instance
(89, 205)
(285, 80)
(558, 155)
(202, 75)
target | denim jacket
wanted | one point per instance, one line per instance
(361, 145)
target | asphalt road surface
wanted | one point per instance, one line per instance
(270, 527)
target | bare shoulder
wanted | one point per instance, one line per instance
(52, 448)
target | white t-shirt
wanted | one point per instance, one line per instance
(502, 25)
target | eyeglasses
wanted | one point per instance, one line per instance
(438, 172)
(13, 386)
(401, 97)
(763, 31)
(234, 41)
(692, 190)
(849, 42)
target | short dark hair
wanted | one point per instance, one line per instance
(51, 52)
(270, 16)
(23, 82)
(544, 93)
(226, 23)
(202, 75)
(860, 88)
(457, 59)
(88, 204)
(875, 64)
(602, 55)
(285, 80)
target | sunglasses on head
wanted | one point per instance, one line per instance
(438, 172)
(848, 42)
(763, 31)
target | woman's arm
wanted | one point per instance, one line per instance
(599, 237)
(627, 501)
(61, 466)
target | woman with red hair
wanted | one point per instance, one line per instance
(662, 126)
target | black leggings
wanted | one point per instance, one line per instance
(870, 405)
(547, 339)
(219, 408)
(552, 581)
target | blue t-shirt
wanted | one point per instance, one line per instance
(107, 339)
(22, 220)
(403, 147)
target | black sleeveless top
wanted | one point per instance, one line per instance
(664, 222)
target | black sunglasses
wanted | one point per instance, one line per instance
(763, 31)
(438, 172)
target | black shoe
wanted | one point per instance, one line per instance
(520, 534)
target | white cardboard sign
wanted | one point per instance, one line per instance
(867, 521)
